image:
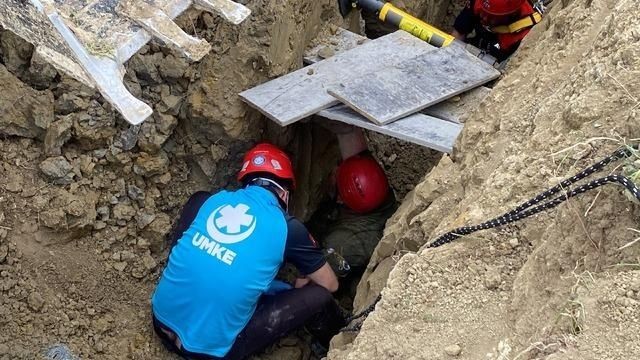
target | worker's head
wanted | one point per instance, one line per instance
(268, 166)
(362, 183)
(495, 12)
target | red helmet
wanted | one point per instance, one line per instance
(500, 7)
(267, 158)
(362, 184)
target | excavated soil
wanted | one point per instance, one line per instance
(86, 200)
(559, 285)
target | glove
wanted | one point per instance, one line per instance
(338, 264)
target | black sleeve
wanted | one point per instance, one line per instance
(188, 215)
(466, 20)
(301, 249)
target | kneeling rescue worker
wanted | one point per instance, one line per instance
(215, 298)
(500, 25)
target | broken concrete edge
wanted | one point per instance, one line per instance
(306, 115)
(420, 129)
(161, 26)
(232, 12)
(106, 74)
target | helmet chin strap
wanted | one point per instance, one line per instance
(268, 182)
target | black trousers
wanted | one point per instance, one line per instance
(277, 315)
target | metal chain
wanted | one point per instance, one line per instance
(617, 155)
(510, 218)
(521, 210)
(363, 313)
(530, 208)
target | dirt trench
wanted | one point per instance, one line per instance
(86, 200)
(559, 285)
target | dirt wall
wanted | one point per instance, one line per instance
(86, 200)
(561, 285)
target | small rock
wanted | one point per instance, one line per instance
(54, 218)
(4, 349)
(35, 301)
(135, 193)
(326, 52)
(150, 165)
(453, 350)
(58, 170)
(69, 103)
(120, 266)
(514, 243)
(173, 67)
(103, 212)
(492, 279)
(127, 255)
(310, 72)
(15, 183)
(123, 212)
(128, 138)
(138, 272)
(58, 133)
(3, 234)
(4, 252)
(156, 232)
(144, 219)
(142, 243)
(149, 262)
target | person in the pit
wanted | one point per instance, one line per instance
(216, 298)
(352, 223)
(499, 25)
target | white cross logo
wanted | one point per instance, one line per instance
(231, 219)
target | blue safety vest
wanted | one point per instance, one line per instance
(220, 267)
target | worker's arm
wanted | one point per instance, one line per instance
(352, 143)
(325, 277)
(459, 36)
(465, 23)
(305, 254)
(350, 138)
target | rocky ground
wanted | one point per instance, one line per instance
(560, 285)
(86, 200)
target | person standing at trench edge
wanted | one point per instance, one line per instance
(217, 298)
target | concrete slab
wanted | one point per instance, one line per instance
(418, 128)
(91, 39)
(398, 91)
(302, 93)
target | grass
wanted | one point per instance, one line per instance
(632, 241)
(573, 314)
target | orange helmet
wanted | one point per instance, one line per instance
(362, 184)
(267, 158)
(500, 7)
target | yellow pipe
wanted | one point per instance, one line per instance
(414, 26)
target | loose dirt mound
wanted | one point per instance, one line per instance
(553, 286)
